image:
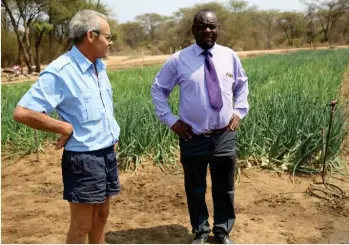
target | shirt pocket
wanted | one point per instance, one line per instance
(107, 98)
(227, 84)
(89, 108)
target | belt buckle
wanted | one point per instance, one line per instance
(208, 134)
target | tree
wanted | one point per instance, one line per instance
(59, 13)
(5, 22)
(268, 19)
(32, 19)
(328, 13)
(151, 23)
(23, 14)
(179, 31)
(133, 33)
(238, 25)
(292, 24)
(346, 27)
(237, 6)
(40, 29)
(8, 48)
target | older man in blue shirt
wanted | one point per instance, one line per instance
(76, 85)
(213, 99)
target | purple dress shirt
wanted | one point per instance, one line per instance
(186, 69)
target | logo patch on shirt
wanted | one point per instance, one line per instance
(229, 75)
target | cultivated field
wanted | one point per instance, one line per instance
(122, 62)
(283, 132)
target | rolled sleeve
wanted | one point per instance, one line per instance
(45, 95)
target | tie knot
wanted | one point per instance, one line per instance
(206, 53)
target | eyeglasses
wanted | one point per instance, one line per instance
(107, 36)
(203, 27)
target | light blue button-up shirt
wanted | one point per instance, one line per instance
(70, 85)
(186, 69)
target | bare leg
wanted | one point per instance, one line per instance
(80, 222)
(100, 216)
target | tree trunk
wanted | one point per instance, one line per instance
(346, 28)
(289, 40)
(269, 47)
(22, 46)
(20, 55)
(5, 20)
(326, 32)
(52, 31)
(27, 54)
(29, 50)
(37, 50)
(37, 59)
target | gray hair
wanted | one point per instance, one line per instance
(82, 22)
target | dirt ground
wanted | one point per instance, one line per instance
(151, 207)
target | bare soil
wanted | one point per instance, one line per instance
(152, 206)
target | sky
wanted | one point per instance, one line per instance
(127, 10)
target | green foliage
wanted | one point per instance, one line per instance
(9, 48)
(242, 26)
(151, 23)
(288, 108)
(133, 34)
(42, 26)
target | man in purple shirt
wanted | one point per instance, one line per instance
(213, 100)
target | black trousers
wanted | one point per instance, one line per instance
(219, 153)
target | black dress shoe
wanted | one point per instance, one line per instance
(224, 240)
(198, 239)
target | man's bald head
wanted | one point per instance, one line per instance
(205, 28)
(203, 12)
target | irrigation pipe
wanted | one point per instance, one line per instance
(330, 190)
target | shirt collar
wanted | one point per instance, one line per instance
(100, 64)
(198, 50)
(83, 62)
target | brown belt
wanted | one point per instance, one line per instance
(214, 132)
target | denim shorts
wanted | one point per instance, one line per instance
(90, 177)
